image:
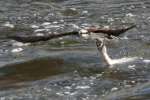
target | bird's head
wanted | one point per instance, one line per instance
(100, 43)
(84, 33)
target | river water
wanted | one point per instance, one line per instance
(71, 68)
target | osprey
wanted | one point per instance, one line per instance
(109, 33)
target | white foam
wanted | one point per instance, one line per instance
(8, 24)
(34, 26)
(83, 87)
(48, 89)
(52, 26)
(84, 12)
(146, 60)
(130, 15)
(16, 50)
(75, 26)
(46, 23)
(55, 22)
(123, 60)
(20, 44)
(114, 89)
(60, 94)
(131, 67)
(125, 38)
(39, 34)
(39, 30)
(106, 27)
(74, 9)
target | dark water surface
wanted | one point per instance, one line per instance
(70, 68)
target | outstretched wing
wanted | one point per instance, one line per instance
(109, 32)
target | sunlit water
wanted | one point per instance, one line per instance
(71, 68)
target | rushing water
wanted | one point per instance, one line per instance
(71, 68)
